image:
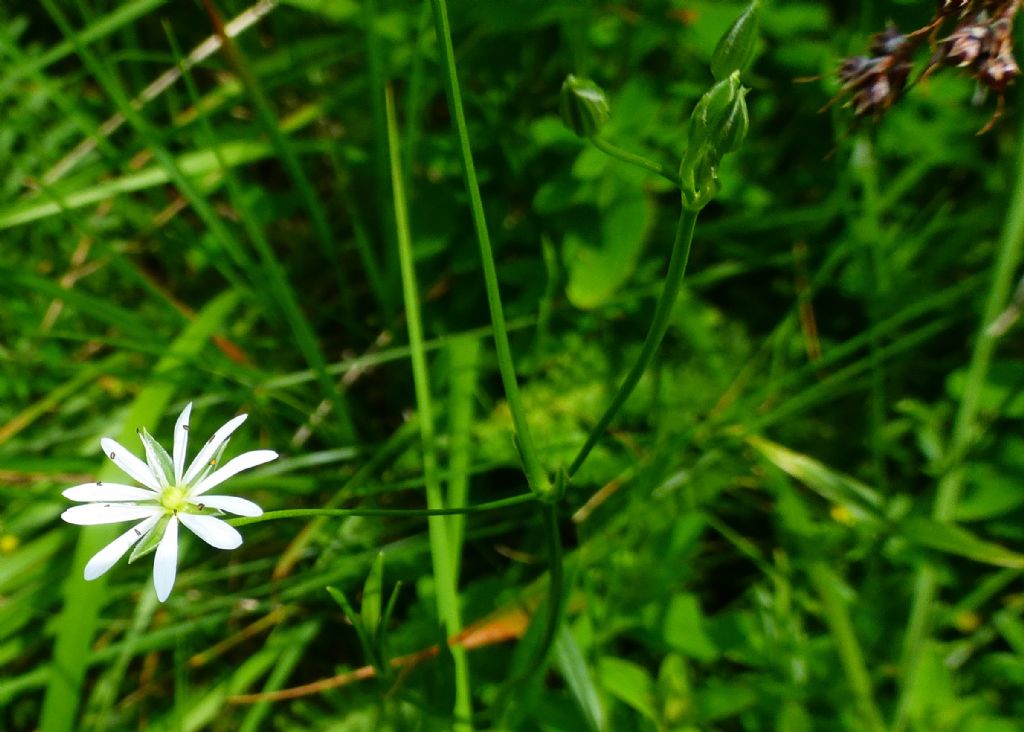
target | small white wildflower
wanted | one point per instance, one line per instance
(171, 494)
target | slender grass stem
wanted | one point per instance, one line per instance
(655, 334)
(535, 474)
(850, 654)
(964, 433)
(384, 512)
(556, 581)
(638, 160)
(441, 551)
(873, 246)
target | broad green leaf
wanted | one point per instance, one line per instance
(793, 717)
(683, 629)
(601, 257)
(630, 683)
(720, 700)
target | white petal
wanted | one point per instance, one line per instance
(212, 530)
(109, 492)
(232, 467)
(129, 463)
(231, 504)
(90, 514)
(211, 447)
(165, 564)
(181, 442)
(106, 557)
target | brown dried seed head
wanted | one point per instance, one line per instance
(852, 71)
(952, 7)
(888, 43)
(873, 98)
(999, 72)
(966, 45)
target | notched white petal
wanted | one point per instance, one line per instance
(91, 514)
(107, 557)
(129, 463)
(232, 467)
(109, 492)
(181, 441)
(212, 530)
(212, 445)
(165, 563)
(230, 504)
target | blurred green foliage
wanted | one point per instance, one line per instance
(743, 546)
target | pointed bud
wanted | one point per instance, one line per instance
(733, 130)
(583, 106)
(718, 126)
(712, 109)
(735, 49)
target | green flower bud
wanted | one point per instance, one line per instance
(733, 129)
(583, 106)
(712, 109)
(735, 49)
(718, 126)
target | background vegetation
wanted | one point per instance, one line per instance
(757, 543)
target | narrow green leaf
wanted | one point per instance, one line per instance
(373, 591)
(576, 672)
(862, 500)
(195, 165)
(357, 624)
(953, 539)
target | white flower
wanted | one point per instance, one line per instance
(170, 495)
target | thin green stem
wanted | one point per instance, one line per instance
(655, 334)
(850, 655)
(556, 580)
(535, 474)
(873, 246)
(638, 160)
(441, 553)
(965, 427)
(384, 512)
(379, 160)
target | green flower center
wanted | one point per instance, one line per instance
(173, 498)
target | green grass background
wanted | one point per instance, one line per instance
(807, 517)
